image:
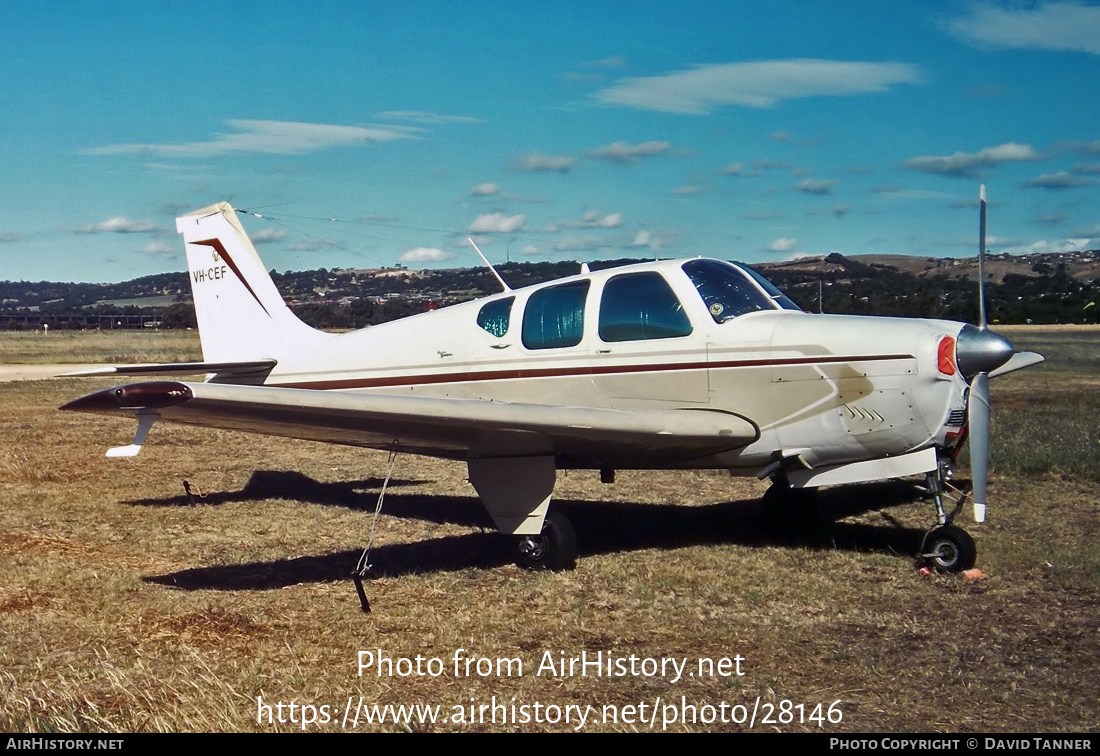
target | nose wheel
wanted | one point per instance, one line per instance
(555, 548)
(949, 548)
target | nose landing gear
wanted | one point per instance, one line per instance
(946, 547)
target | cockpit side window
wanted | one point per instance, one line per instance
(554, 316)
(494, 317)
(638, 306)
(726, 289)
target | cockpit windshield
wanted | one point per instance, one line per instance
(730, 290)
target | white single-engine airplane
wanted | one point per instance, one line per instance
(676, 364)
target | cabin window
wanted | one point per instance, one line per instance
(726, 289)
(637, 306)
(554, 316)
(495, 316)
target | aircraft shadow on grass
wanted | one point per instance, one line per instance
(602, 528)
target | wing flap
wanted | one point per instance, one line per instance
(436, 426)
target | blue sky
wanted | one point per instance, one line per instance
(565, 130)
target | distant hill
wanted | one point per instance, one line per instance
(1039, 288)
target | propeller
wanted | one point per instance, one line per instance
(978, 352)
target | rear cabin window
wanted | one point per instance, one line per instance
(639, 306)
(554, 316)
(494, 317)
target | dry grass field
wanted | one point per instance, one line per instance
(123, 607)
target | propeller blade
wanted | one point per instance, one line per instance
(978, 414)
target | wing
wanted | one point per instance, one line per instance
(443, 427)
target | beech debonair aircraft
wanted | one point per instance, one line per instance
(675, 364)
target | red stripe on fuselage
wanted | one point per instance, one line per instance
(504, 375)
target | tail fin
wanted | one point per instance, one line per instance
(240, 313)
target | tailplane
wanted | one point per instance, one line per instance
(240, 313)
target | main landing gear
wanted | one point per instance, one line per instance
(946, 547)
(555, 548)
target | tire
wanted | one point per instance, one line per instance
(949, 549)
(555, 548)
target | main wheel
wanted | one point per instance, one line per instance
(555, 548)
(949, 549)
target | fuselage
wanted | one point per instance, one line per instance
(683, 334)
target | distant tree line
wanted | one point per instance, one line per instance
(342, 299)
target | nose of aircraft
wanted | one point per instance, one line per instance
(979, 350)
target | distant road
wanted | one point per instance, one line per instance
(37, 372)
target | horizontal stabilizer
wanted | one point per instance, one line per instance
(176, 368)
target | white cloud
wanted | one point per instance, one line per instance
(420, 116)
(500, 223)
(485, 190)
(760, 84)
(733, 169)
(622, 152)
(967, 163)
(589, 220)
(577, 244)
(687, 190)
(1059, 180)
(615, 61)
(1088, 148)
(592, 219)
(1050, 26)
(10, 237)
(816, 186)
(119, 225)
(263, 236)
(425, 254)
(158, 249)
(537, 162)
(311, 245)
(782, 244)
(1044, 246)
(274, 137)
(652, 241)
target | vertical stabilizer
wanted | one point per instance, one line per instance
(240, 313)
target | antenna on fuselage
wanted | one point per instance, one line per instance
(488, 264)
